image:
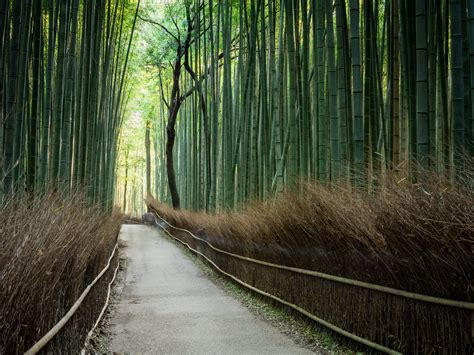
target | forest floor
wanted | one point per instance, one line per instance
(166, 302)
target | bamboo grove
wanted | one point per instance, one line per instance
(63, 82)
(258, 94)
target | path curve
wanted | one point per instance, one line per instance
(168, 306)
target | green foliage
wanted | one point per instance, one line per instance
(62, 102)
(304, 89)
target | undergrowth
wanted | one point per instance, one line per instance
(417, 237)
(51, 248)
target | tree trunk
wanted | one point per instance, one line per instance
(171, 135)
(148, 157)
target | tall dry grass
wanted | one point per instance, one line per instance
(417, 237)
(413, 236)
(51, 248)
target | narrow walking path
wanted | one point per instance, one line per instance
(168, 306)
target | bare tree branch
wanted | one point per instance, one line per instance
(161, 26)
(177, 29)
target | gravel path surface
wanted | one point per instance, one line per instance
(168, 306)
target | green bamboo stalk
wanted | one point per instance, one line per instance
(422, 118)
(277, 89)
(470, 124)
(395, 84)
(65, 162)
(4, 39)
(292, 95)
(457, 86)
(322, 120)
(58, 102)
(359, 141)
(343, 93)
(12, 116)
(305, 104)
(332, 93)
(22, 97)
(36, 99)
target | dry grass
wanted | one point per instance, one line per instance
(416, 237)
(402, 234)
(51, 248)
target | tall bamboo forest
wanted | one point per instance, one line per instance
(239, 100)
(63, 93)
(225, 101)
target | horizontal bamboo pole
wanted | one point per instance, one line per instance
(54, 330)
(104, 308)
